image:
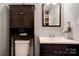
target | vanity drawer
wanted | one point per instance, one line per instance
(59, 49)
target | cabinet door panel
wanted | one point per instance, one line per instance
(15, 9)
(22, 16)
(16, 21)
(28, 21)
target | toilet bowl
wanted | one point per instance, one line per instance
(22, 47)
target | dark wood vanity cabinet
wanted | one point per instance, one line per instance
(21, 16)
(59, 49)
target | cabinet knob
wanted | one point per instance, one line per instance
(21, 12)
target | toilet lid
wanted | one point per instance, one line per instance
(22, 41)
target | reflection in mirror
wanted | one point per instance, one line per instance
(51, 15)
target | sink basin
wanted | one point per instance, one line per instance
(57, 40)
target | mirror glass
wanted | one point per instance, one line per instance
(51, 14)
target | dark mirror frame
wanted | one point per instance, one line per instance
(51, 25)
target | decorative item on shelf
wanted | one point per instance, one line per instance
(47, 20)
(68, 31)
(67, 27)
(23, 34)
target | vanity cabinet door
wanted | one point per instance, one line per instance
(59, 49)
(46, 50)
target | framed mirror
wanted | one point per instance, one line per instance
(51, 15)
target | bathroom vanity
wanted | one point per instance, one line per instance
(21, 26)
(58, 46)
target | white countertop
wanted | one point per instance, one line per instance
(56, 40)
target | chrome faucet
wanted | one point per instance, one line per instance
(51, 35)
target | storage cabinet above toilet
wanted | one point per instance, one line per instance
(22, 16)
(21, 28)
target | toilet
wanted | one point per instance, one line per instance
(22, 47)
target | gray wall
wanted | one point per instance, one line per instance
(3, 30)
(71, 13)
